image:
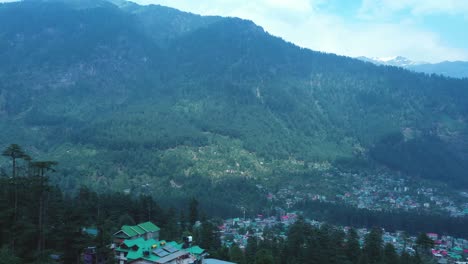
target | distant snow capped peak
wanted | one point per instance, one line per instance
(389, 58)
(398, 61)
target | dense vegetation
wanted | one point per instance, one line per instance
(126, 96)
(312, 245)
(37, 221)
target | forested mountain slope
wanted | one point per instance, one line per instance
(126, 95)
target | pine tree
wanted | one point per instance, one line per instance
(405, 258)
(424, 243)
(103, 239)
(263, 256)
(209, 239)
(390, 256)
(353, 249)
(298, 235)
(42, 167)
(193, 212)
(236, 255)
(251, 250)
(7, 257)
(170, 230)
(14, 151)
(373, 246)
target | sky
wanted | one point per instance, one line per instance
(421, 30)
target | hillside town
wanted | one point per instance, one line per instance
(447, 249)
(377, 192)
(141, 243)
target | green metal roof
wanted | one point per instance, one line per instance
(132, 255)
(143, 245)
(458, 249)
(196, 250)
(139, 229)
(149, 227)
(139, 242)
(129, 231)
(147, 245)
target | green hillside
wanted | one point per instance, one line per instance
(125, 95)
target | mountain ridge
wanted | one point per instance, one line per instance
(455, 69)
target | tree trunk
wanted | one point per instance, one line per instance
(16, 189)
(13, 174)
(15, 218)
(41, 239)
(40, 235)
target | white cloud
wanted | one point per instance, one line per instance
(386, 8)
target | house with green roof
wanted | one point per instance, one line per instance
(151, 251)
(145, 230)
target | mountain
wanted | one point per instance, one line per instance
(397, 61)
(455, 69)
(127, 96)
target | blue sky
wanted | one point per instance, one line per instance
(422, 30)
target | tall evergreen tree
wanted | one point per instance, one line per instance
(353, 249)
(193, 211)
(390, 256)
(14, 151)
(251, 250)
(373, 246)
(42, 167)
(405, 258)
(209, 238)
(263, 256)
(424, 243)
(236, 255)
(7, 257)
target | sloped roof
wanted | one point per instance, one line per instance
(139, 229)
(149, 227)
(143, 245)
(132, 230)
(196, 250)
(139, 242)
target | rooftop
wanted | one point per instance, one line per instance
(136, 230)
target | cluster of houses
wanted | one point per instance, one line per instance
(448, 249)
(238, 230)
(374, 192)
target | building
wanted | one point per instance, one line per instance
(140, 244)
(145, 230)
(151, 251)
